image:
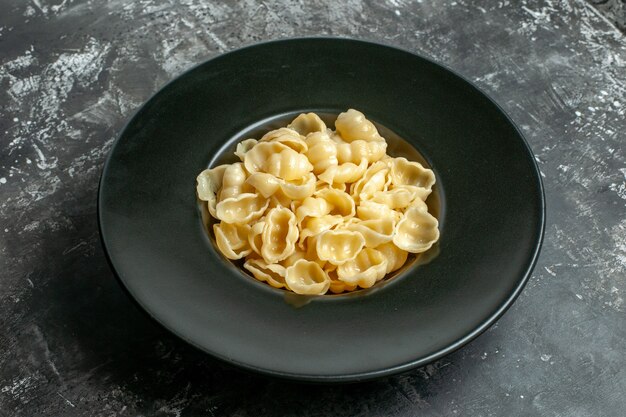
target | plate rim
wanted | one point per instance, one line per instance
(357, 376)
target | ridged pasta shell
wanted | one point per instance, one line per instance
(395, 256)
(244, 146)
(234, 182)
(397, 198)
(265, 184)
(312, 207)
(374, 179)
(313, 226)
(299, 189)
(352, 125)
(339, 246)
(307, 123)
(241, 209)
(365, 269)
(404, 172)
(232, 239)
(288, 165)
(280, 234)
(368, 210)
(375, 231)
(343, 173)
(209, 182)
(417, 230)
(257, 158)
(341, 203)
(306, 277)
(287, 137)
(360, 149)
(255, 237)
(273, 274)
(322, 152)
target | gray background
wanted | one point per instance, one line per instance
(72, 72)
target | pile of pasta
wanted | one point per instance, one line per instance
(314, 210)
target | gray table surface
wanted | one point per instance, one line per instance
(72, 72)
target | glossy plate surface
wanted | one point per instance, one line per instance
(493, 211)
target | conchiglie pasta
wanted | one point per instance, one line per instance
(364, 270)
(352, 125)
(315, 211)
(417, 230)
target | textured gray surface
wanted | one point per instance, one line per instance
(72, 343)
(614, 10)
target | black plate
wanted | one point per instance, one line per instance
(153, 234)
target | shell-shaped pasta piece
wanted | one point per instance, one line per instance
(288, 137)
(300, 188)
(293, 258)
(375, 231)
(374, 179)
(241, 209)
(288, 165)
(352, 125)
(404, 172)
(341, 203)
(417, 230)
(255, 236)
(336, 286)
(359, 149)
(312, 207)
(244, 146)
(397, 198)
(322, 151)
(265, 184)
(322, 185)
(307, 123)
(234, 182)
(313, 226)
(279, 199)
(208, 184)
(273, 274)
(368, 210)
(343, 173)
(339, 246)
(232, 239)
(306, 277)
(365, 269)
(256, 159)
(395, 256)
(280, 234)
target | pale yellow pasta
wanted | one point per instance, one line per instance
(322, 152)
(374, 231)
(279, 236)
(352, 125)
(232, 239)
(209, 183)
(346, 172)
(233, 182)
(265, 184)
(307, 123)
(368, 267)
(312, 210)
(306, 277)
(273, 274)
(241, 209)
(339, 246)
(299, 189)
(288, 137)
(244, 146)
(417, 230)
(404, 172)
(340, 202)
(395, 256)
(360, 149)
(374, 179)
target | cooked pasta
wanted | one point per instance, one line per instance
(312, 210)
